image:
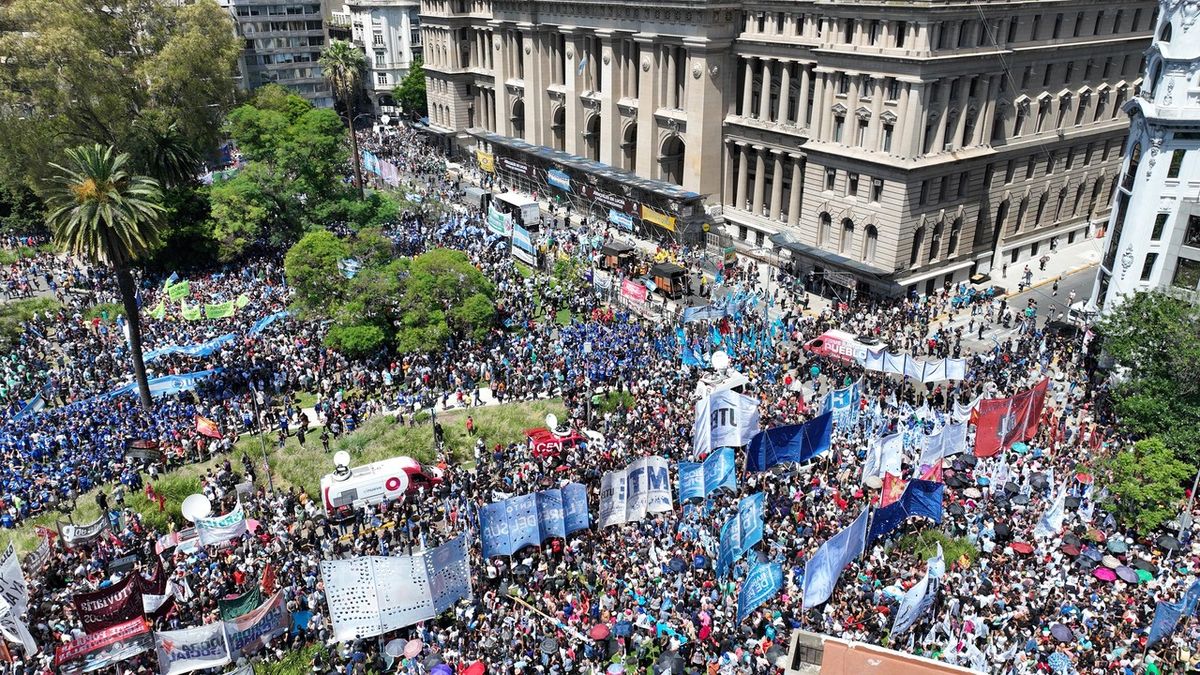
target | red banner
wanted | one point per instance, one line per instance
(123, 638)
(633, 290)
(111, 605)
(1004, 421)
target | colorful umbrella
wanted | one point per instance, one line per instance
(1062, 633)
(1022, 547)
(413, 647)
(1127, 574)
(1085, 478)
(1117, 545)
(1059, 662)
(477, 668)
(1020, 447)
(1110, 562)
(1104, 574)
(1144, 576)
(599, 632)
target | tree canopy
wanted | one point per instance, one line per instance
(410, 93)
(80, 71)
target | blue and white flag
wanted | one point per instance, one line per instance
(844, 404)
(762, 583)
(261, 325)
(698, 480)
(822, 571)
(921, 498)
(743, 530)
(948, 441)
(791, 443)
(629, 494)
(710, 312)
(724, 418)
(1051, 521)
(1168, 614)
(528, 520)
(920, 597)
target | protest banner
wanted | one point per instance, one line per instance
(188, 649)
(629, 494)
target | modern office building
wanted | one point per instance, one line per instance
(885, 147)
(1153, 237)
(389, 33)
(281, 44)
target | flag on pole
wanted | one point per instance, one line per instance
(207, 427)
(893, 489)
(1004, 421)
(822, 571)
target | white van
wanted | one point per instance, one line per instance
(375, 483)
(520, 206)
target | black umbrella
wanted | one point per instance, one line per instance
(1143, 564)
(1168, 543)
(775, 653)
(955, 509)
(1072, 503)
(672, 662)
(1003, 531)
(970, 460)
(1071, 540)
(1039, 481)
(521, 571)
(1086, 562)
(677, 565)
(1020, 500)
(431, 661)
(548, 646)
(956, 482)
(1012, 488)
(1062, 633)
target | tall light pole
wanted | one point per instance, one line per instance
(262, 441)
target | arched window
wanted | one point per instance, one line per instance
(870, 243)
(847, 241)
(591, 138)
(935, 242)
(558, 128)
(918, 240)
(1164, 35)
(1155, 72)
(955, 230)
(825, 224)
(1135, 158)
(518, 119)
(629, 147)
(672, 160)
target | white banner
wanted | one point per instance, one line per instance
(372, 595)
(254, 630)
(188, 649)
(723, 419)
(221, 529)
(12, 582)
(629, 494)
(936, 370)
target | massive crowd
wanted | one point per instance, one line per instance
(650, 584)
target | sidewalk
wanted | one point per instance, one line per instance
(1063, 263)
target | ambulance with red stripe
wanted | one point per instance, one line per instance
(375, 483)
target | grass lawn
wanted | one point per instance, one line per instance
(379, 438)
(382, 437)
(563, 317)
(524, 270)
(307, 399)
(924, 546)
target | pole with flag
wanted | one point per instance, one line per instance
(262, 441)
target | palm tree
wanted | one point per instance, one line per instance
(343, 64)
(162, 151)
(101, 212)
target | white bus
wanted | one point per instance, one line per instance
(375, 483)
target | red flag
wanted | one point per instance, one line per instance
(207, 427)
(933, 473)
(268, 579)
(1004, 421)
(893, 489)
(46, 533)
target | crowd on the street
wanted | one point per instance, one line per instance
(651, 585)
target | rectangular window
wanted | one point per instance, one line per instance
(1191, 237)
(852, 184)
(1187, 274)
(924, 198)
(1030, 167)
(1058, 22)
(1117, 22)
(876, 189)
(861, 141)
(1176, 163)
(1051, 157)
(1012, 30)
(1160, 222)
(943, 186)
(1078, 24)
(1137, 18)
(830, 178)
(1009, 171)
(1047, 74)
(839, 125)
(888, 131)
(964, 180)
(893, 89)
(843, 84)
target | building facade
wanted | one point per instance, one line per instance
(281, 44)
(389, 33)
(1153, 237)
(883, 148)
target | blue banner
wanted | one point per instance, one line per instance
(697, 481)
(844, 404)
(522, 245)
(196, 351)
(558, 179)
(711, 312)
(921, 498)
(792, 443)
(261, 325)
(621, 220)
(761, 584)
(528, 520)
(743, 530)
(822, 571)
(1168, 614)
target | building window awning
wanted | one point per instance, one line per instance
(657, 187)
(831, 259)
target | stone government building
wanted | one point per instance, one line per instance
(888, 146)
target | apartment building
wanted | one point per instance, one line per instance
(282, 42)
(1153, 236)
(389, 33)
(883, 148)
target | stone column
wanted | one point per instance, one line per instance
(785, 85)
(805, 80)
(797, 190)
(727, 195)
(707, 71)
(610, 93)
(760, 183)
(943, 108)
(986, 123)
(648, 102)
(743, 176)
(499, 54)
(820, 112)
(876, 127)
(672, 90)
(960, 126)
(748, 89)
(764, 103)
(777, 185)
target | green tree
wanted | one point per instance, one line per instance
(75, 71)
(20, 209)
(442, 292)
(356, 341)
(241, 211)
(1146, 484)
(102, 213)
(162, 151)
(1156, 339)
(311, 266)
(343, 64)
(410, 93)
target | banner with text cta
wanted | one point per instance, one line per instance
(507, 526)
(628, 494)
